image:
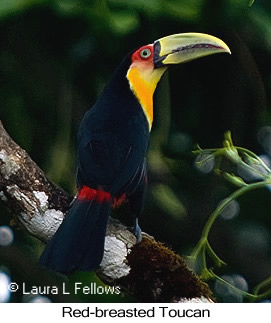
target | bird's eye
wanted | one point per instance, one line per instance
(145, 53)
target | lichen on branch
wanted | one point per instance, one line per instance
(39, 206)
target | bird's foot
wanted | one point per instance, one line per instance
(136, 230)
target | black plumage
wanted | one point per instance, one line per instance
(112, 144)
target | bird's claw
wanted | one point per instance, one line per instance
(136, 230)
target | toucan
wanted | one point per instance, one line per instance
(112, 142)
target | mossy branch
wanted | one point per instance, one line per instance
(149, 271)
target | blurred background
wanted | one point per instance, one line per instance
(55, 58)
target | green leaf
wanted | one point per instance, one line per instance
(8, 7)
(67, 6)
(124, 22)
(238, 181)
(168, 201)
(188, 10)
(150, 7)
(206, 274)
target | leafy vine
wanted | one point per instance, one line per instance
(252, 163)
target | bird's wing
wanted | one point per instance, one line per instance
(110, 163)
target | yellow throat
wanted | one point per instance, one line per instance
(143, 79)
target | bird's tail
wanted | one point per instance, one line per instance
(78, 244)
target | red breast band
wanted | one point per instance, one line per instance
(89, 194)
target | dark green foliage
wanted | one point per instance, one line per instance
(57, 55)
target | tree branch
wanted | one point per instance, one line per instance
(149, 271)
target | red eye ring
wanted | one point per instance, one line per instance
(143, 54)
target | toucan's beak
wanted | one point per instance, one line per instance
(180, 48)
